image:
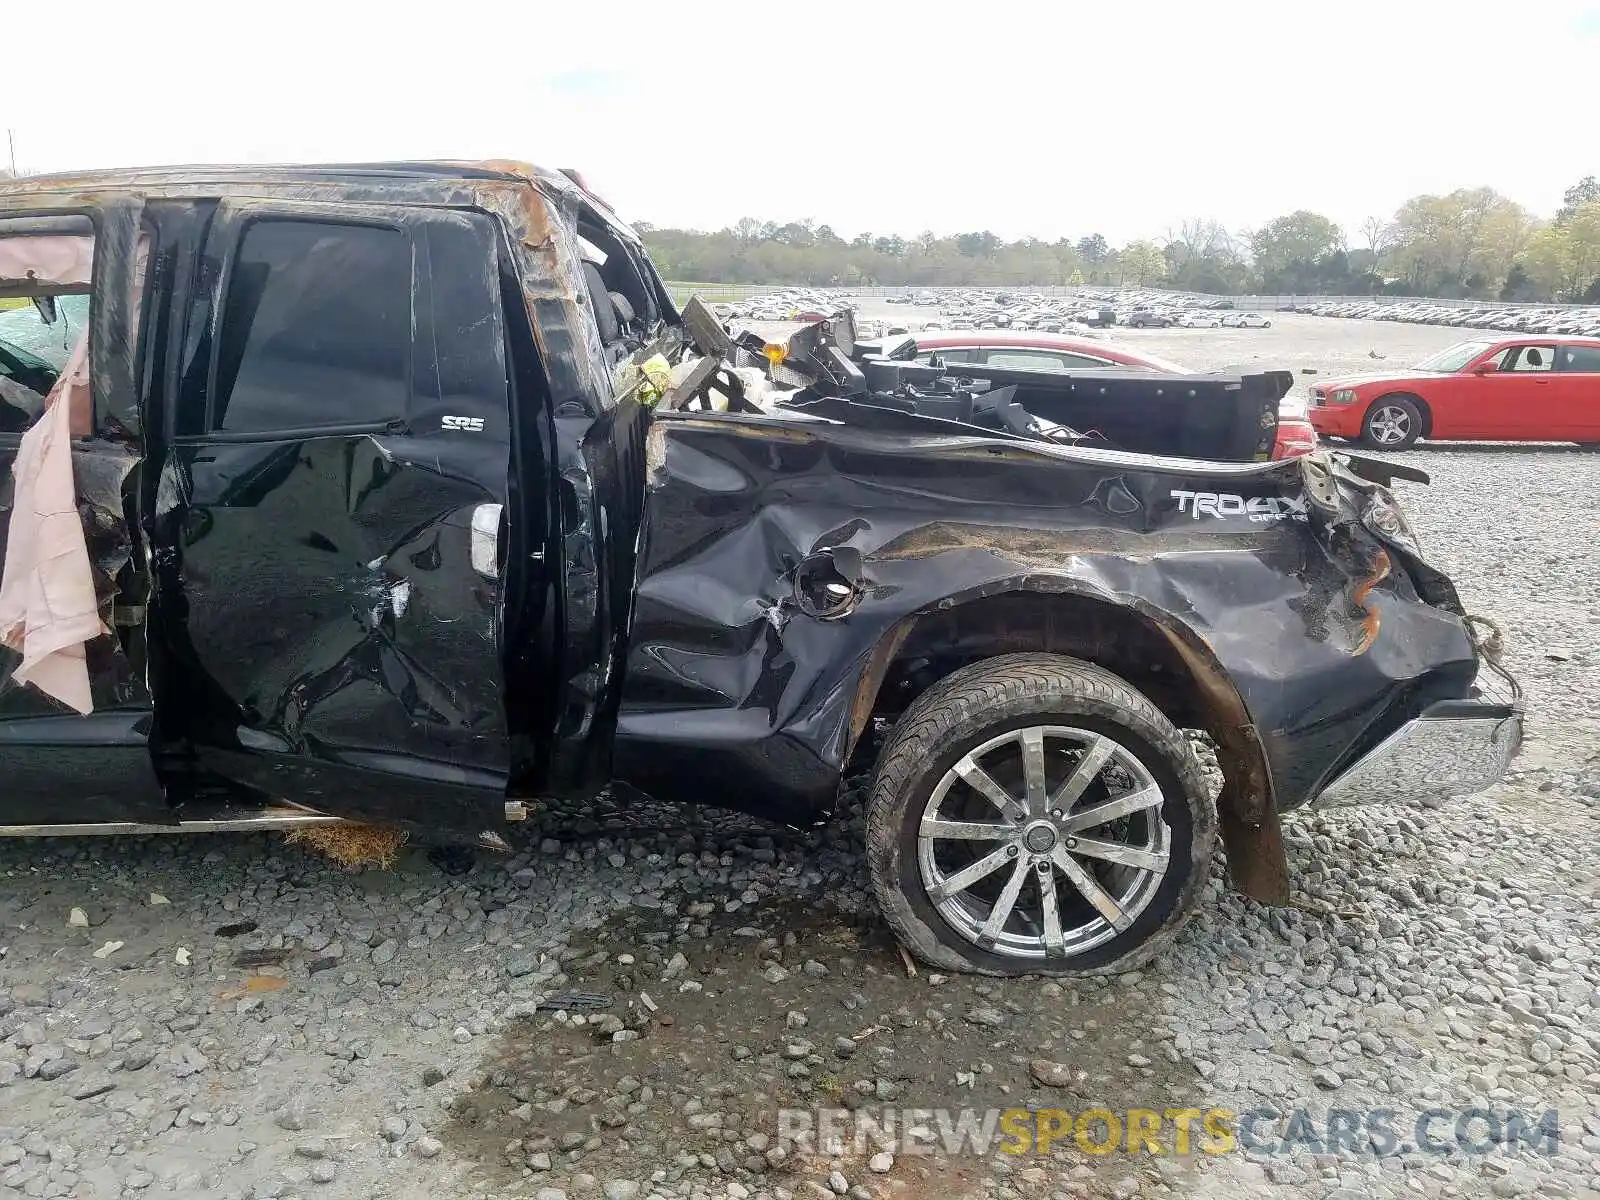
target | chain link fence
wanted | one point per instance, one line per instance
(732, 292)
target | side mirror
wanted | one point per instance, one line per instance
(46, 306)
(1486, 368)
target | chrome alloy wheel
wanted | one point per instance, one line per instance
(1390, 425)
(1044, 842)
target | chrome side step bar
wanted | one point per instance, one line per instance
(282, 817)
(268, 818)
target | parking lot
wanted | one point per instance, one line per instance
(233, 1017)
(1325, 345)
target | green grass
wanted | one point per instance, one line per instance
(12, 302)
(707, 292)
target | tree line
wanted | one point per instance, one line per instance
(1471, 243)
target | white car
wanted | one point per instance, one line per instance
(1199, 320)
(1246, 320)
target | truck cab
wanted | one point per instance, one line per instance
(324, 460)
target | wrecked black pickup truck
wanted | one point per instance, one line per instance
(407, 497)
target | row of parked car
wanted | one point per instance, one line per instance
(1088, 308)
(982, 308)
(1099, 308)
(787, 304)
(969, 309)
(1196, 318)
(1582, 322)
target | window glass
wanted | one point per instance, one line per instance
(23, 329)
(1024, 360)
(196, 358)
(1454, 358)
(949, 354)
(1533, 358)
(44, 324)
(469, 346)
(1578, 358)
(316, 329)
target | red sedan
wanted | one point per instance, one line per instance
(1535, 388)
(1025, 350)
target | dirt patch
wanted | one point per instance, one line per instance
(795, 1007)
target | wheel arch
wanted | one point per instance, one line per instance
(1422, 404)
(1151, 650)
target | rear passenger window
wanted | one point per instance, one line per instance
(316, 328)
(1578, 358)
(1024, 360)
(952, 354)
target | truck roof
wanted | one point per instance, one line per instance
(533, 203)
(284, 173)
(432, 179)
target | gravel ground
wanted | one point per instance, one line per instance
(229, 1016)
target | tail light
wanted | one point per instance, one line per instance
(1384, 518)
(1295, 437)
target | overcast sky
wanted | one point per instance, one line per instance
(1047, 119)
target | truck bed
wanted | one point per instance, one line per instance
(1227, 416)
(1232, 418)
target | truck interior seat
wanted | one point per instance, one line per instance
(605, 311)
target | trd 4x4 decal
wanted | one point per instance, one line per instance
(1226, 504)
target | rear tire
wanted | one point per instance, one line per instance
(1024, 890)
(1392, 423)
